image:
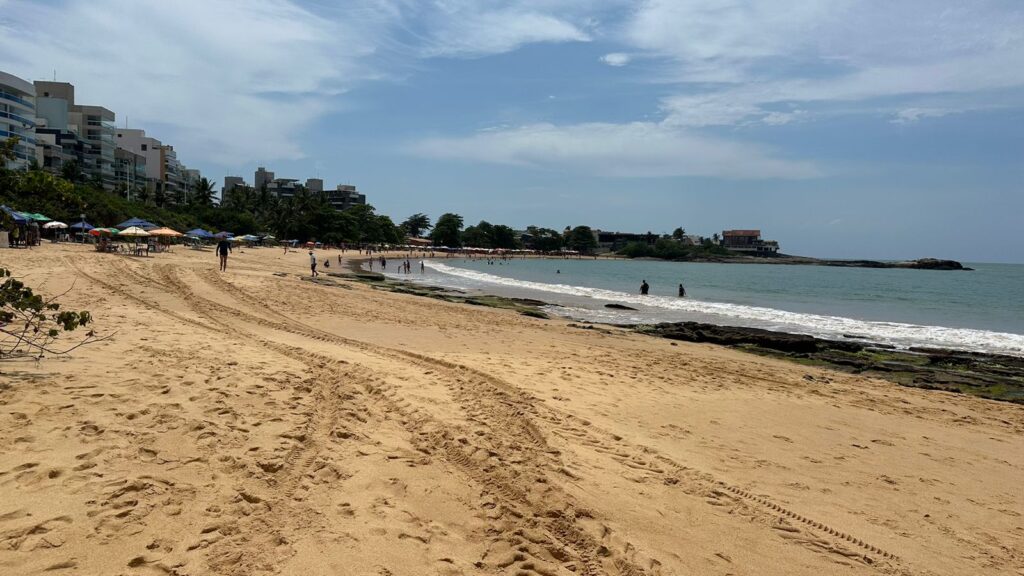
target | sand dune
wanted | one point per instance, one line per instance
(251, 423)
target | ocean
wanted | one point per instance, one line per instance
(980, 310)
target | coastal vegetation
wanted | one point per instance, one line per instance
(673, 248)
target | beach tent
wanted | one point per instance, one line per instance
(137, 223)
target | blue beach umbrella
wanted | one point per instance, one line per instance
(199, 233)
(137, 222)
(15, 215)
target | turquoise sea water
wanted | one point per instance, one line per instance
(978, 310)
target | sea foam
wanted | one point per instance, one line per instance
(898, 334)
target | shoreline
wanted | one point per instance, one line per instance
(986, 375)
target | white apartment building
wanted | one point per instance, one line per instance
(93, 126)
(18, 118)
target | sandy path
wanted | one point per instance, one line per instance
(249, 423)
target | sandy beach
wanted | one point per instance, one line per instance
(254, 422)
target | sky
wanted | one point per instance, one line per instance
(840, 128)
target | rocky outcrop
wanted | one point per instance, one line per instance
(932, 264)
(993, 376)
(739, 336)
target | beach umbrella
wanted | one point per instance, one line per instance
(199, 233)
(15, 215)
(165, 232)
(133, 232)
(137, 223)
(37, 217)
(83, 226)
(223, 235)
(55, 224)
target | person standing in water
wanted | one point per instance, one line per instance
(682, 291)
(223, 249)
(644, 287)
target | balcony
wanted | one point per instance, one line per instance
(16, 118)
(13, 98)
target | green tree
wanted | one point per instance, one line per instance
(416, 225)
(479, 236)
(72, 172)
(678, 233)
(504, 237)
(545, 239)
(581, 238)
(204, 189)
(7, 148)
(447, 231)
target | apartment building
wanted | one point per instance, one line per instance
(93, 125)
(18, 119)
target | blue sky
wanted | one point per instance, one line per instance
(841, 128)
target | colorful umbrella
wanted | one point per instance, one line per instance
(165, 232)
(133, 232)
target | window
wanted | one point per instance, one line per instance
(143, 147)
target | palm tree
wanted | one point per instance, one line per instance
(204, 191)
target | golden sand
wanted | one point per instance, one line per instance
(250, 423)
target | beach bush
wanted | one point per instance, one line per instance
(31, 324)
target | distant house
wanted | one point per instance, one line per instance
(748, 242)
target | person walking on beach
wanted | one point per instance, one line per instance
(312, 263)
(644, 287)
(682, 291)
(223, 249)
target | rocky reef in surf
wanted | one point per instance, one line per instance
(994, 376)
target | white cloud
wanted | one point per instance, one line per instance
(232, 83)
(472, 28)
(911, 115)
(616, 59)
(222, 81)
(735, 60)
(639, 149)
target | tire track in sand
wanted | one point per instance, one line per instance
(815, 533)
(505, 434)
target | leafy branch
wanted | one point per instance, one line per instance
(30, 325)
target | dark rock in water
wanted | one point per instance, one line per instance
(529, 302)
(618, 307)
(931, 264)
(737, 336)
